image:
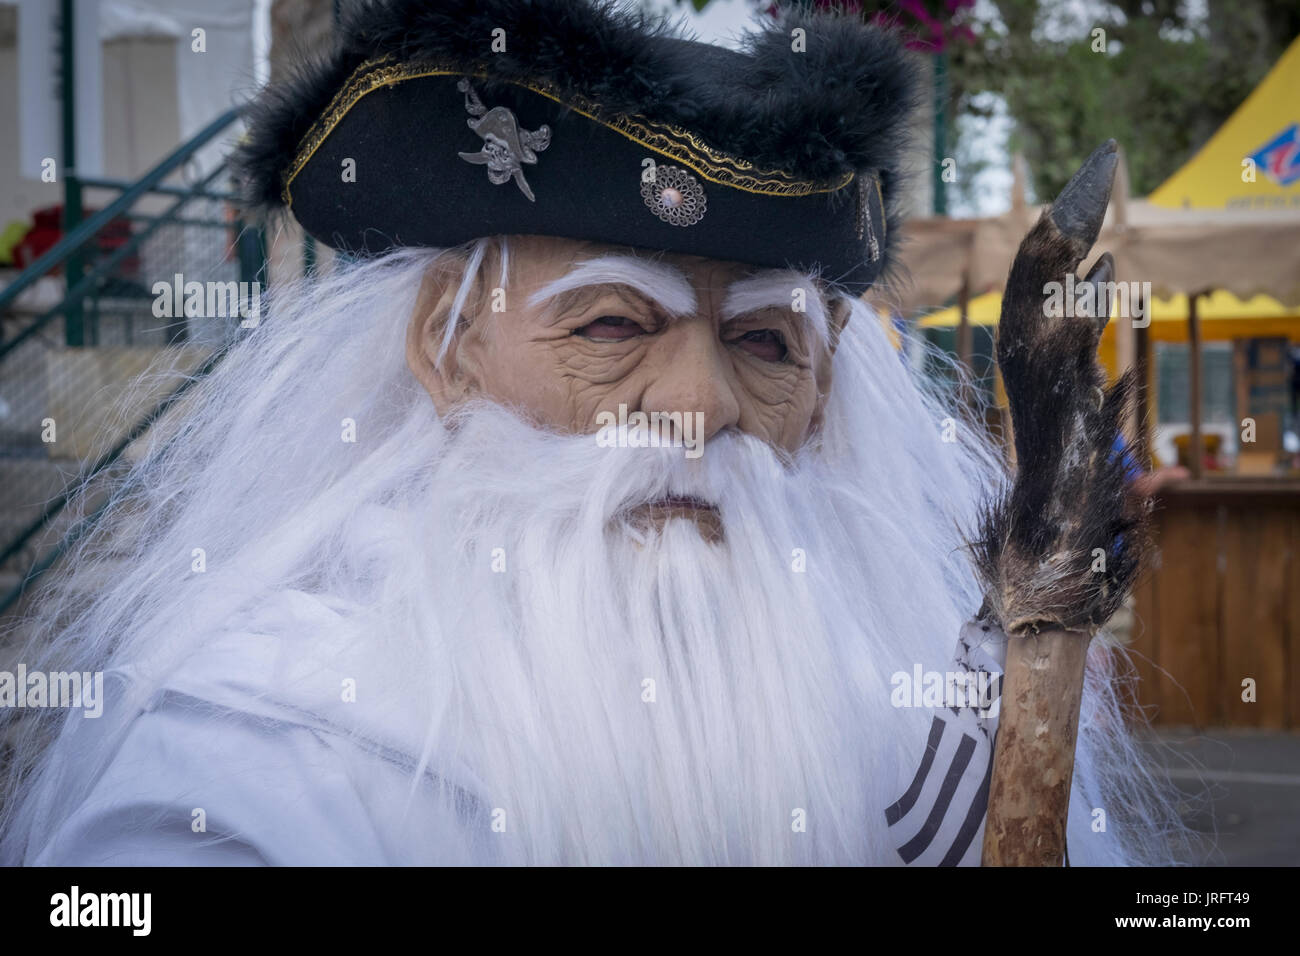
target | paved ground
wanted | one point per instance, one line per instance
(1241, 790)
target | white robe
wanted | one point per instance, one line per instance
(250, 732)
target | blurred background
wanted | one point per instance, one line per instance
(116, 117)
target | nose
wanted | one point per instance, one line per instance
(694, 376)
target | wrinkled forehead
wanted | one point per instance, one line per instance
(677, 285)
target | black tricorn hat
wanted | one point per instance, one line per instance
(434, 122)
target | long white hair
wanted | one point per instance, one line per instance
(629, 695)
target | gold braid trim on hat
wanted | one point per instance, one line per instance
(671, 141)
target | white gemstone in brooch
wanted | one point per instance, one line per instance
(675, 196)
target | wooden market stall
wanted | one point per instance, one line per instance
(1217, 618)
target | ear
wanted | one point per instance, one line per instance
(457, 378)
(837, 317)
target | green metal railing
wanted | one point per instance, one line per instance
(88, 229)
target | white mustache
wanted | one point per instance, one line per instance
(575, 474)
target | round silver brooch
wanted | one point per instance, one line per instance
(675, 196)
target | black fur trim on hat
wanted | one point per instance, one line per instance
(841, 106)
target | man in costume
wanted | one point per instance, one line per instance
(584, 515)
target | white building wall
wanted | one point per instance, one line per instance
(153, 90)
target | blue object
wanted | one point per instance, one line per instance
(1132, 470)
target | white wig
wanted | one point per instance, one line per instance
(253, 472)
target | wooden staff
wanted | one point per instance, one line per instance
(1033, 762)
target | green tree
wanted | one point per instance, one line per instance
(1156, 80)
(1164, 82)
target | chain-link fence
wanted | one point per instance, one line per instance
(167, 284)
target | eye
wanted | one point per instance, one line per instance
(610, 328)
(766, 344)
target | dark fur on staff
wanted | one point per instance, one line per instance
(1036, 546)
(842, 105)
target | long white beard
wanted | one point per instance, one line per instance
(588, 691)
(626, 695)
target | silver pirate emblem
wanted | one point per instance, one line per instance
(506, 147)
(675, 196)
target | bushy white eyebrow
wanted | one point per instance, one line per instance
(775, 289)
(667, 287)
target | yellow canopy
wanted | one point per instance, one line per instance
(1260, 141)
(1222, 316)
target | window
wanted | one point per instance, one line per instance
(1172, 384)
